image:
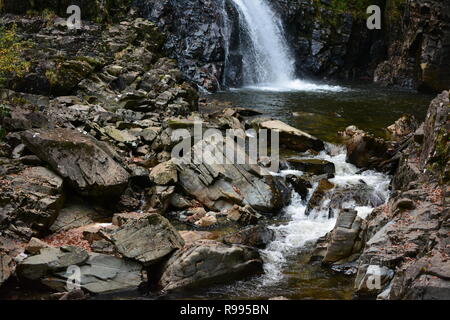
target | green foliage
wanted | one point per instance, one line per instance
(11, 48)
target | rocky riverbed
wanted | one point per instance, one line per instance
(89, 184)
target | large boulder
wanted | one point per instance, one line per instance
(148, 239)
(206, 262)
(98, 273)
(292, 138)
(84, 162)
(365, 150)
(219, 185)
(345, 241)
(32, 197)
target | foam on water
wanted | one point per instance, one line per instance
(295, 85)
(302, 229)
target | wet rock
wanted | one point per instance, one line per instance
(159, 198)
(346, 239)
(148, 239)
(313, 166)
(300, 185)
(80, 159)
(365, 150)
(291, 137)
(253, 236)
(178, 201)
(318, 195)
(206, 263)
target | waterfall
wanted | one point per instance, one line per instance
(264, 57)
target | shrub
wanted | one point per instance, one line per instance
(11, 61)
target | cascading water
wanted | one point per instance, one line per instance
(299, 231)
(266, 58)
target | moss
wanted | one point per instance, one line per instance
(52, 77)
(441, 157)
(12, 63)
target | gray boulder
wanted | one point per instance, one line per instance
(219, 185)
(98, 273)
(206, 262)
(148, 239)
(86, 163)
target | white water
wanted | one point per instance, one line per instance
(301, 229)
(267, 60)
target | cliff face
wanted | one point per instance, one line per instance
(419, 47)
(195, 36)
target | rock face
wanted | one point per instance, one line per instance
(98, 273)
(80, 159)
(219, 186)
(31, 198)
(418, 52)
(195, 36)
(406, 240)
(147, 239)
(206, 262)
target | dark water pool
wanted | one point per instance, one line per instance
(323, 113)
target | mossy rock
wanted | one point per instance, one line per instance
(66, 76)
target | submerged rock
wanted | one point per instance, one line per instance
(80, 159)
(206, 263)
(313, 166)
